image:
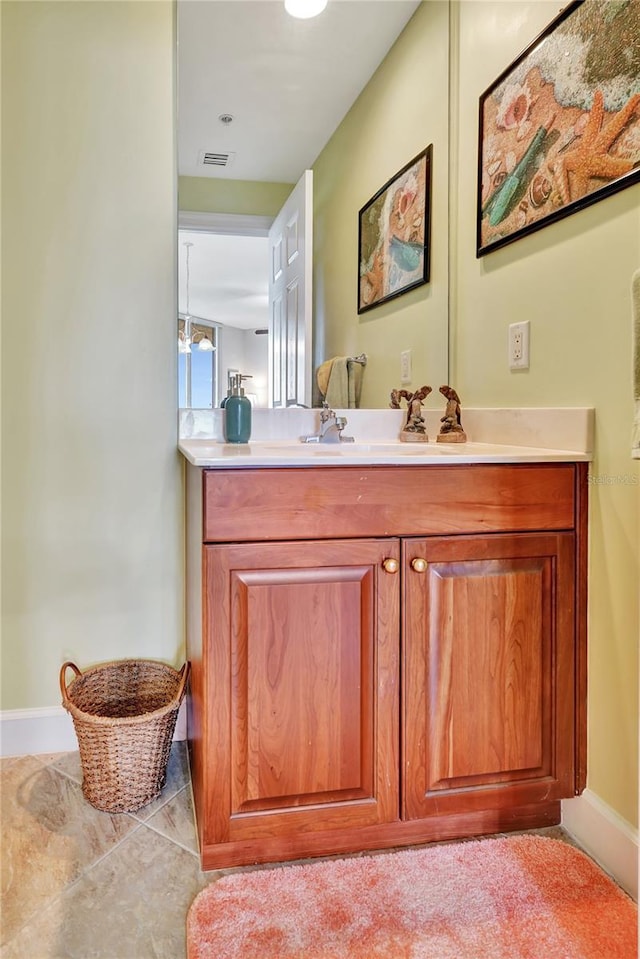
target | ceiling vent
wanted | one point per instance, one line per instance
(217, 159)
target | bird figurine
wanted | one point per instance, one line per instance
(451, 430)
(414, 430)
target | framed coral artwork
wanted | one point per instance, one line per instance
(560, 127)
(393, 235)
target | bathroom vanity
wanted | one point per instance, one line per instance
(384, 651)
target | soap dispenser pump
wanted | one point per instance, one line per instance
(237, 412)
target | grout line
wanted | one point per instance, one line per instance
(155, 829)
(61, 772)
(170, 839)
(165, 802)
(55, 900)
(116, 845)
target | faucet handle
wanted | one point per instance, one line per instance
(341, 422)
(326, 413)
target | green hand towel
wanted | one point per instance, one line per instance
(337, 395)
(345, 383)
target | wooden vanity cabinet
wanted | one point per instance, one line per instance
(383, 655)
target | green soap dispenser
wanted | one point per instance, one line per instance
(237, 412)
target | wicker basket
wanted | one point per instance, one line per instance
(124, 714)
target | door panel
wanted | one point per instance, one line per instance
(296, 689)
(277, 355)
(294, 373)
(487, 659)
(290, 298)
(309, 636)
(489, 653)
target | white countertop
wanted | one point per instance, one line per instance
(211, 454)
(535, 435)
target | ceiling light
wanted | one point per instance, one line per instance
(304, 9)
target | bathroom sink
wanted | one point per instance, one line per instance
(404, 449)
(371, 452)
(394, 449)
(349, 449)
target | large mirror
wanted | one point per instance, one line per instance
(352, 95)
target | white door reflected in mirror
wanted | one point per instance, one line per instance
(290, 298)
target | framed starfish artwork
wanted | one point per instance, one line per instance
(393, 235)
(560, 127)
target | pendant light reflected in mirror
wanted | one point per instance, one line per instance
(187, 336)
(202, 341)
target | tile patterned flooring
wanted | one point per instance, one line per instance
(83, 884)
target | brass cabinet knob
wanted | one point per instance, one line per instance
(419, 564)
(390, 565)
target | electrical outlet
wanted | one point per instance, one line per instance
(519, 346)
(405, 366)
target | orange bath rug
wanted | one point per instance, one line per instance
(521, 897)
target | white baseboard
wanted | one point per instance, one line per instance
(29, 732)
(606, 836)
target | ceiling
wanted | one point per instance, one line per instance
(288, 84)
(228, 279)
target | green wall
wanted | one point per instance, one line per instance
(220, 195)
(92, 539)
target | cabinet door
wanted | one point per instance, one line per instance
(302, 672)
(488, 695)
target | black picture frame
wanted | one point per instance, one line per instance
(394, 229)
(560, 127)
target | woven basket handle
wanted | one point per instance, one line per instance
(63, 682)
(184, 672)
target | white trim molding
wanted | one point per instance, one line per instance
(27, 732)
(229, 224)
(30, 732)
(605, 836)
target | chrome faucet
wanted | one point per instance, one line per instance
(331, 427)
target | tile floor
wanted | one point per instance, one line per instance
(83, 884)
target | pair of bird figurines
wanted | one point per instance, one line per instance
(414, 429)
